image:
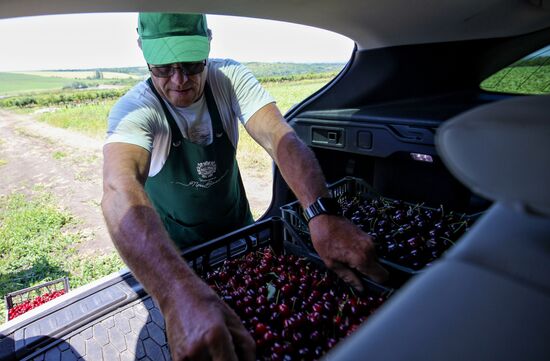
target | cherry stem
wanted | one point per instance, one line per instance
(447, 240)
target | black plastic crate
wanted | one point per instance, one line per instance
(291, 305)
(356, 187)
(273, 232)
(292, 212)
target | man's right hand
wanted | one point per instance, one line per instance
(200, 326)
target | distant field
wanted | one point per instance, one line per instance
(12, 83)
(80, 74)
(39, 81)
(29, 82)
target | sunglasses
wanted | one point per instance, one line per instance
(166, 71)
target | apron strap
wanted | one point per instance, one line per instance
(217, 126)
(176, 133)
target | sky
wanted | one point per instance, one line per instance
(109, 40)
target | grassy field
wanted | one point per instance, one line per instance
(12, 83)
(88, 119)
(85, 74)
(527, 79)
(37, 244)
(32, 82)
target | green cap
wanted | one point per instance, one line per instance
(173, 38)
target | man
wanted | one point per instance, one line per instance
(171, 181)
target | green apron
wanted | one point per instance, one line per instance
(199, 193)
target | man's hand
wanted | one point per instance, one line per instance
(342, 246)
(345, 249)
(200, 326)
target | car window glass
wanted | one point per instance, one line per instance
(59, 77)
(291, 61)
(530, 75)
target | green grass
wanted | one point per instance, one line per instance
(17, 83)
(90, 119)
(59, 155)
(11, 83)
(526, 79)
(38, 245)
(289, 93)
(261, 70)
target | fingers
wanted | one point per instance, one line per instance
(365, 261)
(216, 345)
(229, 341)
(221, 345)
(374, 271)
(347, 274)
(361, 259)
(244, 344)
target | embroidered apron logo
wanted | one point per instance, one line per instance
(206, 169)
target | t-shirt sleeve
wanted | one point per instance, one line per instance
(248, 94)
(132, 121)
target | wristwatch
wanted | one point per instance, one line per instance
(323, 205)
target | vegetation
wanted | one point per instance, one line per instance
(24, 83)
(89, 119)
(263, 70)
(528, 76)
(12, 83)
(289, 93)
(37, 245)
(67, 97)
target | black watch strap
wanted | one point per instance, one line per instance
(323, 205)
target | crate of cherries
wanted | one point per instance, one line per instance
(293, 307)
(22, 301)
(408, 237)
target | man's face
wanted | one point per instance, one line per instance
(179, 88)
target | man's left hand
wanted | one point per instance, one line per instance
(345, 248)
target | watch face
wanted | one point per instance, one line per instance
(330, 205)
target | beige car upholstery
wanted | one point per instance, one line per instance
(502, 151)
(489, 297)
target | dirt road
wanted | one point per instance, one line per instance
(68, 165)
(65, 163)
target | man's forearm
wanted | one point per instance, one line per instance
(300, 169)
(140, 238)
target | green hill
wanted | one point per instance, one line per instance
(13, 83)
(264, 70)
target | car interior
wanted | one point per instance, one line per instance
(406, 115)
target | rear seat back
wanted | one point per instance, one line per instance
(488, 298)
(502, 151)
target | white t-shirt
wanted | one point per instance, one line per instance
(138, 118)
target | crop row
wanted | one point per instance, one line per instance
(61, 98)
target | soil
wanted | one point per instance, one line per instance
(69, 165)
